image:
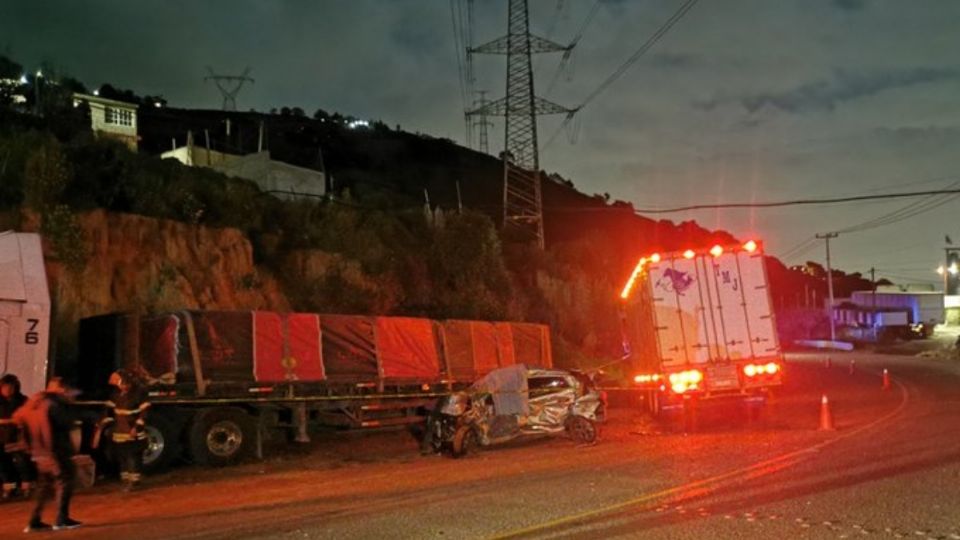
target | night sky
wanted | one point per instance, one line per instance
(742, 100)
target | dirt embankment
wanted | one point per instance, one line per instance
(134, 262)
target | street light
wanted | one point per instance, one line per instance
(953, 269)
(23, 79)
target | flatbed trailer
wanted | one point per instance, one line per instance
(219, 380)
(698, 326)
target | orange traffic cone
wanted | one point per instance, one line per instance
(886, 379)
(826, 417)
(853, 366)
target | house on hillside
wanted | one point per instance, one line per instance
(111, 118)
(12, 89)
(277, 178)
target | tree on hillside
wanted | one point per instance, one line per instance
(46, 177)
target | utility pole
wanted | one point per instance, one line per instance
(459, 200)
(482, 122)
(36, 92)
(522, 201)
(469, 74)
(229, 86)
(873, 284)
(826, 237)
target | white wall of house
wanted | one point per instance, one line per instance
(280, 179)
(111, 118)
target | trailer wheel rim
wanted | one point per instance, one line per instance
(224, 438)
(155, 445)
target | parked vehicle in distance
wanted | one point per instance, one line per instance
(513, 402)
(885, 314)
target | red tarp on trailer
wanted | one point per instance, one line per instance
(349, 347)
(224, 345)
(506, 355)
(531, 344)
(158, 346)
(407, 348)
(474, 348)
(287, 347)
(458, 350)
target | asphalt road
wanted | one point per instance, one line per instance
(891, 469)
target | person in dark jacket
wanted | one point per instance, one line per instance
(129, 411)
(47, 420)
(14, 463)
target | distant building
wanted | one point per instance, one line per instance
(277, 178)
(111, 118)
(11, 88)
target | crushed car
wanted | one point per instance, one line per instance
(513, 402)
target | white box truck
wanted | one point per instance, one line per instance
(24, 310)
(698, 325)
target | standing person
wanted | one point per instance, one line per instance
(14, 465)
(129, 414)
(47, 420)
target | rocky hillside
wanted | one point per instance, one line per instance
(136, 263)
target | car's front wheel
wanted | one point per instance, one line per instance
(464, 441)
(582, 430)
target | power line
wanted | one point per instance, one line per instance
(565, 59)
(913, 209)
(774, 204)
(799, 250)
(459, 48)
(647, 45)
(557, 13)
(795, 202)
(632, 59)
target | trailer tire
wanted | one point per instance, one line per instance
(162, 445)
(221, 436)
(464, 441)
(582, 430)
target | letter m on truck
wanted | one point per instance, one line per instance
(699, 325)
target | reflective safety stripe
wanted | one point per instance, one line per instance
(126, 437)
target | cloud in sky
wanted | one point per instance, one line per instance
(828, 93)
(843, 86)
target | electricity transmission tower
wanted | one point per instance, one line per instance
(229, 86)
(481, 122)
(522, 202)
